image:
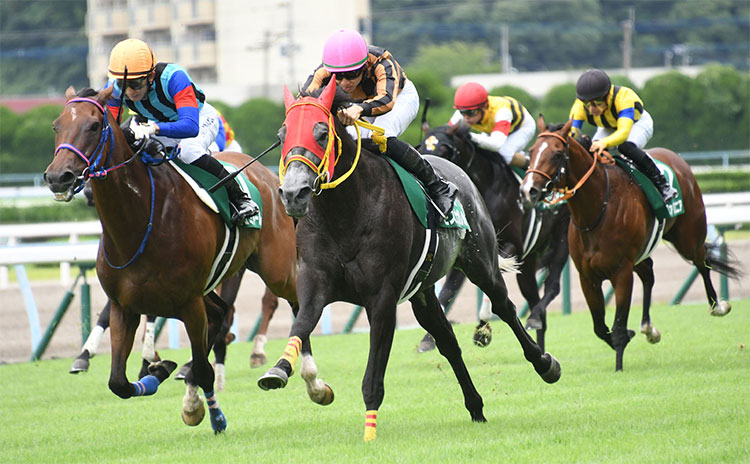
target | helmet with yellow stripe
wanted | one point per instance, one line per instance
(131, 54)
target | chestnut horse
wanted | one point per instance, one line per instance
(611, 225)
(360, 242)
(536, 237)
(159, 243)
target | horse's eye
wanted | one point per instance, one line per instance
(281, 134)
(94, 126)
(55, 128)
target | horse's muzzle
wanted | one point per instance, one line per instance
(62, 184)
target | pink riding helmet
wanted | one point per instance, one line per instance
(345, 50)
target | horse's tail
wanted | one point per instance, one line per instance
(728, 266)
(508, 264)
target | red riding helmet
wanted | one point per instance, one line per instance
(470, 96)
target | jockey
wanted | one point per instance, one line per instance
(621, 121)
(504, 125)
(225, 140)
(389, 100)
(176, 108)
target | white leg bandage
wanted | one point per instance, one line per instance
(92, 343)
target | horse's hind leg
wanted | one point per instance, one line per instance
(491, 282)
(645, 271)
(453, 282)
(429, 314)
(269, 304)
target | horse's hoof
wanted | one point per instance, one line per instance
(182, 373)
(533, 323)
(81, 363)
(427, 344)
(257, 360)
(325, 398)
(218, 420)
(721, 309)
(482, 334)
(162, 369)
(273, 378)
(478, 417)
(651, 333)
(553, 373)
(193, 417)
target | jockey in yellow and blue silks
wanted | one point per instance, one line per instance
(621, 122)
(503, 125)
(176, 109)
(386, 98)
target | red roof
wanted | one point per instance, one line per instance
(24, 104)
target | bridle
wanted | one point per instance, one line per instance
(567, 193)
(96, 168)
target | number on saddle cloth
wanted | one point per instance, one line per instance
(674, 207)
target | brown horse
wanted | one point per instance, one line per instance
(159, 243)
(611, 225)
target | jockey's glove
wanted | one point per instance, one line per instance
(143, 130)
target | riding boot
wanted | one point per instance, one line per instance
(647, 166)
(244, 206)
(441, 191)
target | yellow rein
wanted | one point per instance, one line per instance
(567, 193)
(322, 169)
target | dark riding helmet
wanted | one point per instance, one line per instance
(592, 84)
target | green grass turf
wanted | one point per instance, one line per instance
(682, 400)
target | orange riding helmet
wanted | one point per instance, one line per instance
(133, 54)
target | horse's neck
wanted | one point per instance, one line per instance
(587, 203)
(123, 198)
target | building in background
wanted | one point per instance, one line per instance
(234, 49)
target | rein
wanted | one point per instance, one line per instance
(107, 138)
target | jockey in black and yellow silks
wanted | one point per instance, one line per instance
(621, 121)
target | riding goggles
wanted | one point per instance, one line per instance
(470, 113)
(349, 75)
(135, 84)
(594, 102)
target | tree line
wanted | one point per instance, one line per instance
(705, 113)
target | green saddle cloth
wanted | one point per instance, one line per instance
(208, 180)
(661, 210)
(418, 201)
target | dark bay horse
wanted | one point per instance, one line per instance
(536, 237)
(611, 225)
(359, 242)
(159, 243)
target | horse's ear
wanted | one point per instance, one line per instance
(288, 97)
(566, 128)
(70, 92)
(541, 126)
(104, 95)
(326, 98)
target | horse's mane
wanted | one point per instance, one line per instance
(583, 139)
(340, 100)
(87, 92)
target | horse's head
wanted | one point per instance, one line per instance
(443, 141)
(308, 154)
(548, 162)
(82, 136)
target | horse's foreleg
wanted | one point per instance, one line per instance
(269, 304)
(621, 335)
(427, 312)
(308, 313)
(122, 334)
(81, 363)
(645, 271)
(592, 292)
(318, 391)
(526, 280)
(382, 317)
